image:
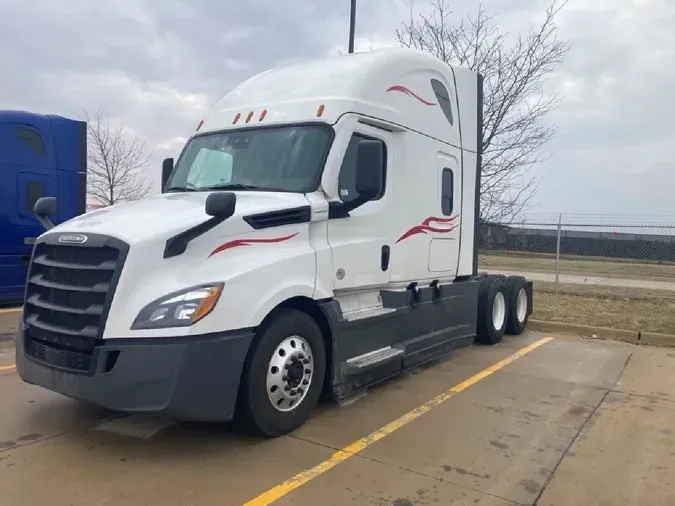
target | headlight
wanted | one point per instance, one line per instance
(179, 309)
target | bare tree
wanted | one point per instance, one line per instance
(515, 104)
(116, 162)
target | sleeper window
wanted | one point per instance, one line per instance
(447, 189)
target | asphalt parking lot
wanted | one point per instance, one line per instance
(539, 419)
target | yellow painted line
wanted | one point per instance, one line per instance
(4, 368)
(354, 448)
(10, 310)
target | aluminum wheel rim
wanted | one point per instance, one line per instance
(289, 373)
(521, 305)
(498, 311)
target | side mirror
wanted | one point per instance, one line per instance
(221, 205)
(43, 208)
(369, 163)
(167, 169)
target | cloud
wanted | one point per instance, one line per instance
(615, 150)
(159, 66)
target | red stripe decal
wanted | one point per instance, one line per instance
(426, 227)
(403, 89)
(247, 242)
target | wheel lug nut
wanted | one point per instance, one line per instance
(293, 392)
(301, 391)
(308, 370)
(284, 378)
(305, 382)
(306, 361)
(301, 356)
(287, 388)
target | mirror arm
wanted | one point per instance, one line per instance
(45, 222)
(42, 208)
(177, 244)
(339, 209)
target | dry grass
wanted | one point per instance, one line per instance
(590, 266)
(607, 292)
(627, 309)
(585, 258)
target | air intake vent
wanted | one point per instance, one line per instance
(279, 218)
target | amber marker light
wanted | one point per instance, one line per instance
(208, 303)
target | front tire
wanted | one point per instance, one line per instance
(283, 377)
(492, 310)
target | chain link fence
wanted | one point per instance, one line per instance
(597, 264)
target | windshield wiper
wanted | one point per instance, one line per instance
(234, 186)
(225, 186)
(180, 189)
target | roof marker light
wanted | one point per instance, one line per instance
(250, 115)
(319, 111)
(236, 118)
(200, 125)
(262, 115)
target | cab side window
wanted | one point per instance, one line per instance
(347, 178)
(34, 191)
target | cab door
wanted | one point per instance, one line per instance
(361, 242)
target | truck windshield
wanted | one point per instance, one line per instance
(287, 159)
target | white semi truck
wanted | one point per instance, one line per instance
(317, 234)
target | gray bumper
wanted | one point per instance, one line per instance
(194, 378)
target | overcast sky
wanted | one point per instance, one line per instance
(158, 65)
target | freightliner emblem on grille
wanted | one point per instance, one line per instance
(73, 238)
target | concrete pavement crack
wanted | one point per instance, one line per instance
(581, 429)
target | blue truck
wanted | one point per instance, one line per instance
(40, 156)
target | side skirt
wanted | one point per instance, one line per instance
(412, 327)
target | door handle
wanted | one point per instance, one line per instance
(384, 261)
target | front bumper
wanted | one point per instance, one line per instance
(189, 378)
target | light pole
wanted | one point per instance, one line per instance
(352, 26)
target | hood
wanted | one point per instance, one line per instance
(170, 213)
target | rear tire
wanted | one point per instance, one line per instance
(492, 310)
(518, 303)
(283, 376)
